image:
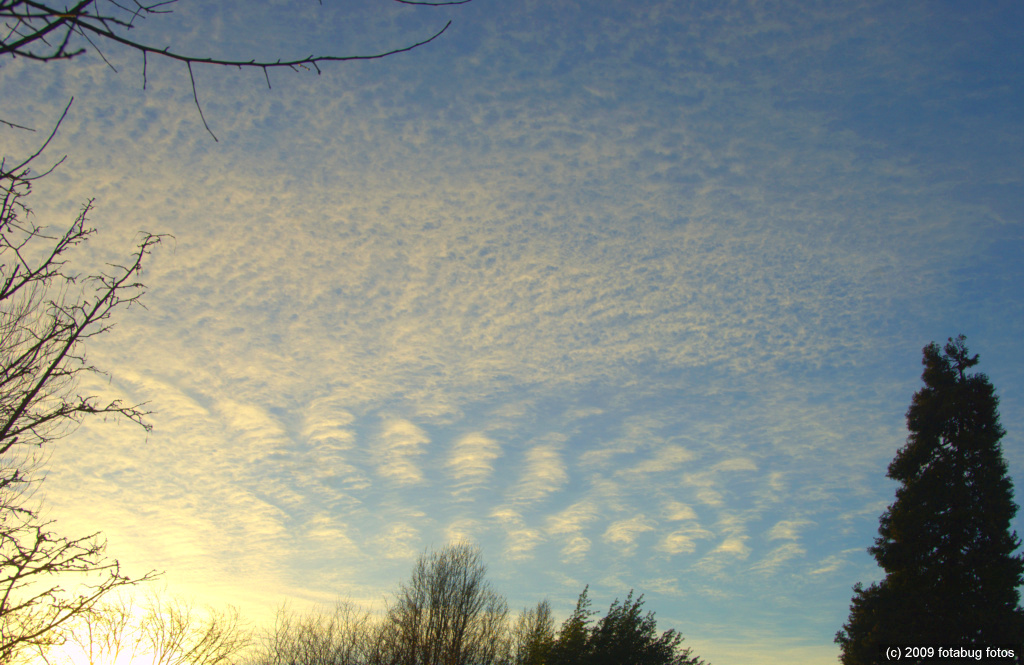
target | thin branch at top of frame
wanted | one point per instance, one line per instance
(43, 31)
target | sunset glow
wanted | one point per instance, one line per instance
(629, 294)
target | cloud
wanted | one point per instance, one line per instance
(735, 464)
(734, 545)
(328, 532)
(401, 443)
(683, 540)
(668, 586)
(636, 432)
(626, 532)
(779, 556)
(397, 541)
(507, 515)
(544, 473)
(709, 483)
(570, 524)
(574, 548)
(572, 519)
(327, 423)
(520, 540)
(462, 530)
(709, 496)
(730, 529)
(675, 511)
(665, 458)
(834, 562)
(787, 529)
(655, 273)
(471, 461)
(520, 543)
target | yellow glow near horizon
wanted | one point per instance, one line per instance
(76, 654)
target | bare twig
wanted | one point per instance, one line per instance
(43, 30)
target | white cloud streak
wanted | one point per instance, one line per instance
(401, 443)
(544, 472)
(472, 461)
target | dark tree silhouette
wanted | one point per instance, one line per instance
(945, 544)
(570, 647)
(624, 636)
(343, 635)
(446, 614)
(47, 314)
(533, 635)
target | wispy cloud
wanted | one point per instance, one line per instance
(399, 540)
(834, 562)
(401, 443)
(575, 547)
(665, 458)
(520, 540)
(572, 519)
(675, 511)
(462, 530)
(569, 524)
(326, 422)
(683, 539)
(731, 535)
(544, 472)
(788, 529)
(471, 461)
(778, 557)
(624, 533)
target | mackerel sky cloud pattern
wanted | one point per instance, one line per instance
(630, 294)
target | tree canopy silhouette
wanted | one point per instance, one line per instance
(446, 614)
(624, 636)
(945, 544)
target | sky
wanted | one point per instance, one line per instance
(629, 294)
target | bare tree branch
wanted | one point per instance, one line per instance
(29, 26)
(47, 312)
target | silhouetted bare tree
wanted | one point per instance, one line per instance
(447, 614)
(533, 635)
(343, 636)
(47, 313)
(159, 631)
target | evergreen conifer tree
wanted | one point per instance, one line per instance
(570, 647)
(625, 636)
(945, 544)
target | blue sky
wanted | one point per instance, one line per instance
(632, 295)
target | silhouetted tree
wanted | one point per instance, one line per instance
(624, 636)
(47, 314)
(159, 631)
(447, 614)
(343, 636)
(945, 544)
(533, 635)
(570, 647)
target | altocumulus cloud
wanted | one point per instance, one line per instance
(624, 533)
(401, 443)
(471, 462)
(544, 471)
